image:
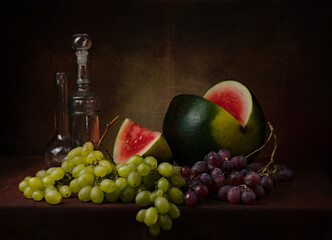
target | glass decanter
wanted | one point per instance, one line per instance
(59, 146)
(84, 105)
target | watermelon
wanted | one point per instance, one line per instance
(227, 117)
(134, 139)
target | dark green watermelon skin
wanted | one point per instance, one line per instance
(186, 129)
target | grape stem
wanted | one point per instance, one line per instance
(106, 130)
(272, 133)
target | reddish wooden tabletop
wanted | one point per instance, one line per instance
(301, 209)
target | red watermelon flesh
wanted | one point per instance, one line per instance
(133, 139)
(233, 97)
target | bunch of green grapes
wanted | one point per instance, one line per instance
(85, 172)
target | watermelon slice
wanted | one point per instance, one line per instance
(233, 97)
(134, 139)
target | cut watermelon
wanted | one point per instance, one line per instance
(134, 139)
(227, 117)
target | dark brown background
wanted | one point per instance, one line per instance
(145, 53)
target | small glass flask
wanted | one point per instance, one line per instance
(59, 146)
(84, 105)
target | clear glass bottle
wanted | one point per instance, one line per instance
(59, 146)
(84, 105)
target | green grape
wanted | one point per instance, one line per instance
(151, 216)
(140, 215)
(162, 205)
(36, 183)
(49, 188)
(131, 167)
(38, 195)
(154, 229)
(49, 171)
(41, 173)
(121, 183)
(23, 184)
(165, 221)
(113, 196)
(27, 178)
(74, 152)
(53, 197)
(165, 169)
(28, 192)
(140, 188)
(78, 160)
(123, 171)
(166, 196)
(178, 180)
(163, 184)
(84, 194)
(143, 169)
(65, 191)
(87, 148)
(97, 195)
(100, 171)
(136, 160)
(86, 179)
(87, 169)
(58, 185)
(142, 199)
(177, 170)
(107, 164)
(108, 185)
(159, 193)
(68, 165)
(148, 181)
(176, 195)
(151, 161)
(118, 165)
(77, 169)
(58, 174)
(134, 179)
(153, 196)
(94, 156)
(74, 187)
(128, 194)
(48, 181)
(174, 211)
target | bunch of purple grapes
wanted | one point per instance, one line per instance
(231, 178)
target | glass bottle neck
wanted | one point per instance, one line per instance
(62, 127)
(83, 80)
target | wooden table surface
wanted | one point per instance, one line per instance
(301, 209)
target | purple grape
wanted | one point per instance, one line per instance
(227, 166)
(185, 172)
(190, 198)
(215, 171)
(195, 182)
(205, 179)
(201, 190)
(222, 192)
(259, 191)
(267, 183)
(285, 174)
(199, 167)
(236, 178)
(208, 155)
(274, 177)
(248, 196)
(256, 166)
(219, 181)
(252, 179)
(234, 195)
(224, 154)
(239, 162)
(245, 171)
(214, 160)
